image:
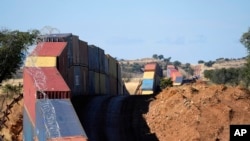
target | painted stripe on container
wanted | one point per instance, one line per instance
(57, 118)
(149, 75)
(147, 84)
(37, 61)
(147, 92)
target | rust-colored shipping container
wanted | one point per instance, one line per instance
(75, 49)
(83, 53)
(153, 67)
(78, 80)
(41, 81)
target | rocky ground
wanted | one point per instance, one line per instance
(198, 112)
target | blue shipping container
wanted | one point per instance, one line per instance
(28, 128)
(57, 118)
(147, 84)
(179, 79)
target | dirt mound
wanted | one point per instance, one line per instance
(198, 112)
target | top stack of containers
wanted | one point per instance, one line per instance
(174, 74)
(151, 78)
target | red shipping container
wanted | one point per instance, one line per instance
(150, 67)
(74, 138)
(38, 81)
(75, 49)
(175, 74)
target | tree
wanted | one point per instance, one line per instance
(160, 57)
(200, 62)
(155, 56)
(177, 63)
(245, 40)
(165, 83)
(13, 48)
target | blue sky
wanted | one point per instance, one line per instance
(186, 30)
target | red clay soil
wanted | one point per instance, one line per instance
(198, 112)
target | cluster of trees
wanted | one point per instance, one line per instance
(233, 76)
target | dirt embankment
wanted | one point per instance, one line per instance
(198, 112)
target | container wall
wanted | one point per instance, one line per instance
(29, 93)
(103, 88)
(119, 73)
(97, 83)
(147, 84)
(83, 53)
(62, 64)
(93, 58)
(57, 118)
(106, 61)
(150, 67)
(91, 82)
(28, 127)
(75, 50)
(34, 61)
(78, 80)
(101, 60)
(113, 86)
(112, 66)
(73, 138)
(149, 75)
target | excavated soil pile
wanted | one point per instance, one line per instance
(198, 112)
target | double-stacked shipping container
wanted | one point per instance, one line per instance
(151, 78)
(46, 96)
(174, 74)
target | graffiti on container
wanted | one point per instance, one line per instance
(49, 115)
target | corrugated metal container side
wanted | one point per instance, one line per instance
(178, 79)
(74, 138)
(29, 90)
(48, 80)
(91, 82)
(175, 74)
(120, 88)
(93, 58)
(147, 84)
(150, 67)
(107, 84)
(83, 53)
(113, 86)
(97, 83)
(57, 118)
(119, 73)
(103, 88)
(149, 75)
(28, 127)
(112, 66)
(147, 92)
(101, 60)
(78, 80)
(106, 61)
(38, 61)
(65, 37)
(75, 50)
(49, 49)
(62, 64)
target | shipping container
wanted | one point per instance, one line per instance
(55, 49)
(83, 53)
(101, 60)
(97, 83)
(56, 118)
(112, 66)
(119, 73)
(78, 80)
(113, 86)
(67, 37)
(38, 61)
(75, 50)
(28, 127)
(40, 81)
(106, 61)
(147, 92)
(171, 67)
(153, 67)
(148, 84)
(149, 75)
(103, 87)
(175, 74)
(91, 82)
(93, 58)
